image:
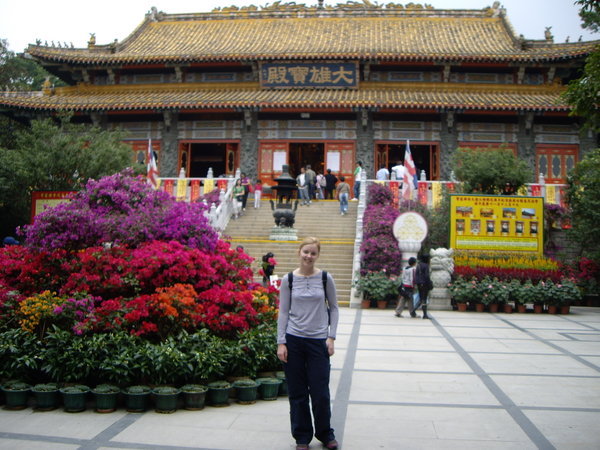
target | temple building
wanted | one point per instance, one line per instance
(257, 88)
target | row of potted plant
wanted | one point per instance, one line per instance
(47, 396)
(492, 292)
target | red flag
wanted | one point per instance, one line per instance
(409, 183)
(152, 170)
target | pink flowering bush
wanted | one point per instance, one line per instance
(120, 209)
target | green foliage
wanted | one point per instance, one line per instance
(490, 171)
(106, 389)
(54, 156)
(377, 285)
(438, 224)
(582, 93)
(18, 354)
(590, 14)
(583, 196)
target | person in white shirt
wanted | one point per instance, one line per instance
(357, 178)
(382, 174)
(398, 170)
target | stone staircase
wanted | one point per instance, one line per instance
(321, 219)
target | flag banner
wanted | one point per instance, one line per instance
(395, 188)
(436, 193)
(169, 185)
(195, 191)
(563, 194)
(181, 189)
(222, 185)
(451, 187)
(410, 181)
(209, 185)
(422, 192)
(551, 194)
(152, 168)
(536, 190)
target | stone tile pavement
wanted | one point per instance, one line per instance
(460, 381)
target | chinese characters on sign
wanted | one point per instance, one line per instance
(309, 75)
(41, 200)
(502, 223)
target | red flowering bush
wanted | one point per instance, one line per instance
(507, 274)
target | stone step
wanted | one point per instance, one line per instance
(321, 219)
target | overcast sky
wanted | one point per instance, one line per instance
(24, 21)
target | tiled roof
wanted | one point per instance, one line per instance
(372, 34)
(249, 95)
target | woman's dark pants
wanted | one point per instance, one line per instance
(307, 374)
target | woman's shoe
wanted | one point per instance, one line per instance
(302, 447)
(332, 445)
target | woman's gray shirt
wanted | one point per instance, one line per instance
(307, 317)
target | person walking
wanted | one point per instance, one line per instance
(311, 180)
(302, 187)
(357, 178)
(408, 285)
(424, 285)
(382, 174)
(330, 181)
(246, 184)
(306, 331)
(320, 185)
(238, 198)
(257, 193)
(343, 191)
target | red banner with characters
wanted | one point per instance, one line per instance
(395, 188)
(168, 186)
(222, 184)
(536, 190)
(195, 193)
(422, 192)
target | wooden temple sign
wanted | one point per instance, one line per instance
(294, 75)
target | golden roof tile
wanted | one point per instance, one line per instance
(249, 95)
(374, 33)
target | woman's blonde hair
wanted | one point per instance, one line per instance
(309, 241)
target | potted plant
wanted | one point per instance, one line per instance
(268, 388)
(569, 293)
(494, 293)
(165, 399)
(16, 394)
(379, 287)
(106, 396)
(194, 396)
(283, 387)
(46, 396)
(246, 391)
(218, 393)
(460, 293)
(514, 295)
(136, 398)
(74, 397)
(530, 293)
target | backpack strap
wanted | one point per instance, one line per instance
(324, 276)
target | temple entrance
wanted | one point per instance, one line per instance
(197, 157)
(302, 154)
(425, 157)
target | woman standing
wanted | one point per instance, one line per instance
(306, 330)
(238, 198)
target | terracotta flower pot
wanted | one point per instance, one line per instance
(565, 309)
(521, 308)
(479, 307)
(462, 307)
(493, 307)
(382, 304)
(538, 308)
(365, 304)
(552, 309)
(508, 308)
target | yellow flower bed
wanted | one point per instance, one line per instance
(37, 308)
(504, 261)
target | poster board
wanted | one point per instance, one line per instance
(41, 200)
(497, 223)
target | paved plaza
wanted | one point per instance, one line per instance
(460, 381)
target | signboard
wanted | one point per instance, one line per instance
(294, 75)
(497, 222)
(41, 200)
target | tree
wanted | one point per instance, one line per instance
(54, 156)
(583, 196)
(490, 171)
(582, 93)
